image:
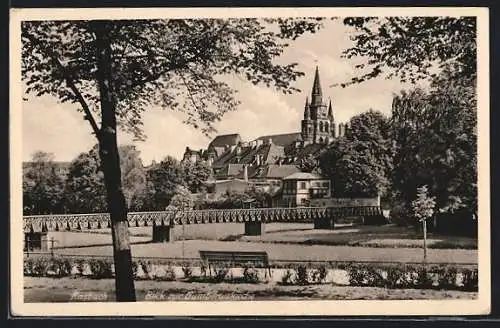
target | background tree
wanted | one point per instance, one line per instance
(435, 130)
(43, 185)
(435, 135)
(85, 191)
(308, 163)
(133, 173)
(85, 188)
(195, 174)
(360, 163)
(164, 179)
(182, 199)
(117, 69)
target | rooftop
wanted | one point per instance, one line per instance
(303, 176)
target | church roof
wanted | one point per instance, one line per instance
(317, 84)
(283, 140)
(225, 140)
(316, 94)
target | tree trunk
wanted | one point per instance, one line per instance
(110, 161)
(424, 222)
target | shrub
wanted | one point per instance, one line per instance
(40, 267)
(318, 275)
(28, 266)
(187, 271)
(250, 274)
(302, 275)
(424, 279)
(60, 267)
(395, 277)
(135, 267)
(169, 275)
(470, 280)
(100, 269)
(287, 278)
(203, 269)
(365, 275)
(145, 266)
(80, 266)
(220, 273)
(447, 277)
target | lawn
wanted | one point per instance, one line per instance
(282, 241)
(81, 289)
(286, 252)
(388, 236)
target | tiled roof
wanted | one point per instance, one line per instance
(302, 176)
(225, 140)
(270, 154)
(274, 171)
(281, 139)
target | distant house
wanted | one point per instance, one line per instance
(299, 188)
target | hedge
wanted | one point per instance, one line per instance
(359, 274)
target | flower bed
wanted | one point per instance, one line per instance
(369, 274)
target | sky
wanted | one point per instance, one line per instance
(59, 129)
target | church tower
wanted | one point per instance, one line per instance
(318, 125)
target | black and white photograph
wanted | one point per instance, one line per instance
(272, 161)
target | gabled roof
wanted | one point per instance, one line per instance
(225, 140)
(274, 171)
(283, 140)
(303, 176)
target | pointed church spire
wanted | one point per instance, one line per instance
(306, 109)
(316, 94)
(330, 110)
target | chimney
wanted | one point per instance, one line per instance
(257, 159)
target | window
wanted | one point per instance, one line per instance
(303, 185)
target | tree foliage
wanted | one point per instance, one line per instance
(176, 64)
(423, 205)
(195, 174)
(359, 163)
(43, 185)
(435, 134)
(410, 48)
(182, 199)
(85, 189)
(164, 179)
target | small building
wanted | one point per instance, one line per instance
(299, 188)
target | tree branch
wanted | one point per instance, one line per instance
(69, 81)
(81, 100)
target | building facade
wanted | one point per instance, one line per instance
(299, 189)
